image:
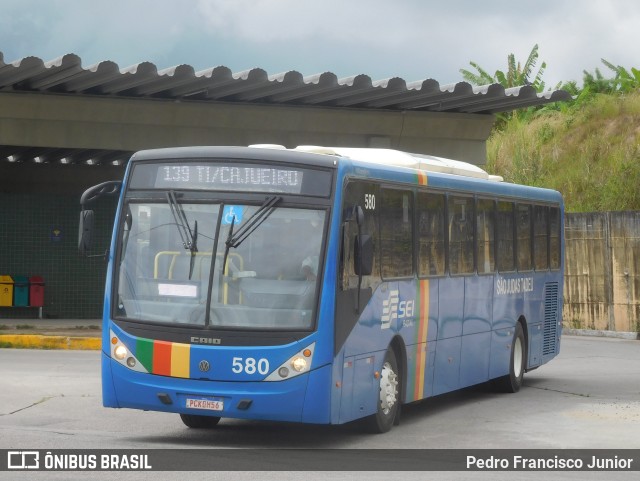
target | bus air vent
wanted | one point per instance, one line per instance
(550, 318)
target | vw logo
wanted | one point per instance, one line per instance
(204, 366)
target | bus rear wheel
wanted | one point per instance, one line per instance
(513, 381)
(199, 422)
(387, 396)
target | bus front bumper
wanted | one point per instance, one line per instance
(305, 398)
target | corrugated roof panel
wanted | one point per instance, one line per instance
(93, 76)
(345, 87)
(130, 78)
(413, 90)
(19, 71)
(220, 75)
(56, 72)
(509, 103)
(280, 83)
(244, 81)
(66, 75)
(379, 89)
(433, 99)
(168, 79)
(313, 84)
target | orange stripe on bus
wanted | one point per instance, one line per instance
(421, 346)
(162, 358)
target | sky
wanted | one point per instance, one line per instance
(410, 39)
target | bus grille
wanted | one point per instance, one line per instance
(550, 318)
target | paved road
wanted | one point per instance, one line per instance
(589, 397)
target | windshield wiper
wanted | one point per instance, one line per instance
(253, 222)
(189, 237)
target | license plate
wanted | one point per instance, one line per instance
(206, 404)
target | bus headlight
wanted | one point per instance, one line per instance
(120, 352)
(297, 364)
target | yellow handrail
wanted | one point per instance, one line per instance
(175, 254)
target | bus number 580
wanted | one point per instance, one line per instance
(370, 201)
(250, 365)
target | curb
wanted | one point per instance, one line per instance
(630, 336)
(36, 341)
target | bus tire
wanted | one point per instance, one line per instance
(199, 422)
(513, 381)
(387, 395)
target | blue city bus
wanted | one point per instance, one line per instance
(321, 285)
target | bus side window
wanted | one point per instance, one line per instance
(396, 233)
(485, 228)
(506, 258)
(554, 240)
(431, 252)
(524, 237)
(540, 237)
(346, 256)
(460, 235)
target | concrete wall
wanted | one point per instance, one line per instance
(71, 121)
(602, 281)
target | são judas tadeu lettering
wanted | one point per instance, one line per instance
(516, 285)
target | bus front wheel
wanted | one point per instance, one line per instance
(513, 381)
(199, 422)
(387, 396)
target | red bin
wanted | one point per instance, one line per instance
(36, 291)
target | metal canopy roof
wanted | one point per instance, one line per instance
(66, 75)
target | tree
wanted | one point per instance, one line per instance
(517, 74)
(624, 80)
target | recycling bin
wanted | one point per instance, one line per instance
(6, 291)
(36, 291)
(20, 291)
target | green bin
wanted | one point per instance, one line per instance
(20, 291)
(6, 291)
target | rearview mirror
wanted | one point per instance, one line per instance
(85, 231)
(363, 255)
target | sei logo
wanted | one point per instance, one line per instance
(393, 309)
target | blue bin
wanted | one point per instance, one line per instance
(20, 291)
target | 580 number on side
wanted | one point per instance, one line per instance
(369, 201)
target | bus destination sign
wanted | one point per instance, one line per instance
(231, 177)
(227, 177)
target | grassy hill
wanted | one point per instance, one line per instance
(589, 151)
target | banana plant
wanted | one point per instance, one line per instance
(516, 75)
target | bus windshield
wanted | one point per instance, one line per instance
(264, 270)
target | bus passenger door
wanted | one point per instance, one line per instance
(355, 289)
(357, 330)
